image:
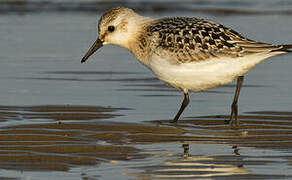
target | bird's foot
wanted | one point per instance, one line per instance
(174, 121)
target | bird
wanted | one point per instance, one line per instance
(187, 53)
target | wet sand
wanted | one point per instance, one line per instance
(60, 144)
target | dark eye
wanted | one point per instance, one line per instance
(111, 28)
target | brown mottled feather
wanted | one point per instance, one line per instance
(192, 39)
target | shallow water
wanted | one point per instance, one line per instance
(64, 120)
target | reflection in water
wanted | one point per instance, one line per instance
(236, 150)
(190, 166)
(186, 148)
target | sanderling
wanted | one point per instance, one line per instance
(189, 54)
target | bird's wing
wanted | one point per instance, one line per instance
(191, 39)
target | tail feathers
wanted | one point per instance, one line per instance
(255, 47)
(286, 48)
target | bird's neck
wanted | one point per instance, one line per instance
(138, 42)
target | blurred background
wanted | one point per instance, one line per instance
(108, 108)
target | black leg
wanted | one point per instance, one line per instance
(234, 108)
(183, 106)
(186, 150)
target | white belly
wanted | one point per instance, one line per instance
(202, 75)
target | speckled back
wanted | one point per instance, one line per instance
(193, 39)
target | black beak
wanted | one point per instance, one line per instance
(96, 45)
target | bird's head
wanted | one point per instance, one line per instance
(117, 26)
